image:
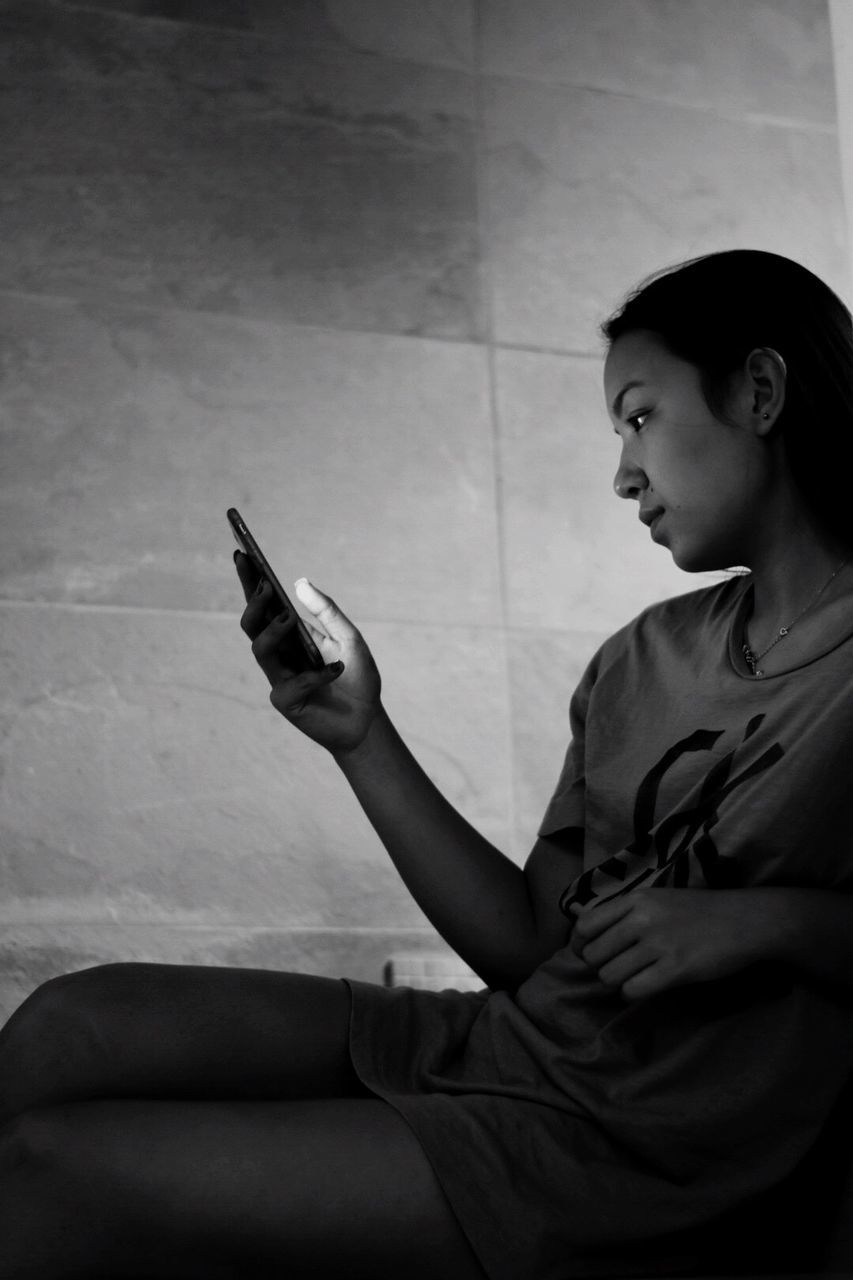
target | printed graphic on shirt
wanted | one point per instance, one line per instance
(680, 850)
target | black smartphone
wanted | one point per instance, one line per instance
(298, 649)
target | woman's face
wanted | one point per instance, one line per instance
(700, 482)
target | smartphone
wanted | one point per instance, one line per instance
(298, 649)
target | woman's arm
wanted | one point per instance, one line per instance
(816, 932)
(492, 913)
(654, 939)
(502, 920)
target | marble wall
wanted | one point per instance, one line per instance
(339, 263)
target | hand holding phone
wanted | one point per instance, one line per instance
(333, 704)
(298, 649)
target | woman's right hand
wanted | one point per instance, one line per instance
(336, 706)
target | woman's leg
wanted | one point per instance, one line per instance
(318, 1188)
(177, 1031)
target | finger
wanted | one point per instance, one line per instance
(266, 647)
(626, 966)
(595, 919)
(318, 634)
(247, 573)
(324, 609)
(260, 610)
(613, 942)
(650, 982)
(290, 696)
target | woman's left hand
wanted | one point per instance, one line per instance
(651, 940)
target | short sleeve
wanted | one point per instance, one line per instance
(567, 807)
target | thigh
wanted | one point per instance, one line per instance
(162, 1030)
(228, 1191)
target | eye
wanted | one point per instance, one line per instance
(634, 419)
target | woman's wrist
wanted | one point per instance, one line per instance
(788, 934)
(378, 733)
(808, 919)
(764, 923)
(810, 929)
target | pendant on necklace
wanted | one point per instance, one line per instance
(752, 662)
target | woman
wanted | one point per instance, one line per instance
(650, 1063)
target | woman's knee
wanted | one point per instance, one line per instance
(54, 1039)
(67, 993)
(72, 1001)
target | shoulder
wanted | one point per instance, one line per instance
(694, 609)
(689, 620)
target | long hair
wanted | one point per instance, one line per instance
(712, 311)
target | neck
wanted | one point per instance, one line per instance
(789, 571)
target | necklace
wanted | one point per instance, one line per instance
(753, 659)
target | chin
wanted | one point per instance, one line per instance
(700, 559)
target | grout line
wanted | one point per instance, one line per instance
(498, 628)
(485, 223)
(365, 931)
(681, 104)
(78, 606)
(154, 309)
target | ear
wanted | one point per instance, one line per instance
(761, 396)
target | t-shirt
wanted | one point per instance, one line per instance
(569, 1127)
(686, 770)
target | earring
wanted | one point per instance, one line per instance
(765, 415)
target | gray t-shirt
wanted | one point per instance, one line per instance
(686, 770)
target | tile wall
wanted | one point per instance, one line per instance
(339, 263)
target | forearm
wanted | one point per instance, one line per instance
(656, 939)
(474, 895)
(816, 932)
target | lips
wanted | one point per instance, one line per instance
(648, 517)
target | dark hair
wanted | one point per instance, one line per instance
(712, 311)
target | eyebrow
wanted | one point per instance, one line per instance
(617, 403)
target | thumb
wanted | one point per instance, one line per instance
(323, 607)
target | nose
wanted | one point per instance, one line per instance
(630, 480)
